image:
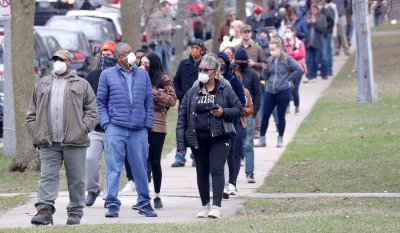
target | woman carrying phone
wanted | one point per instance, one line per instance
(204, 110)
(164, 97)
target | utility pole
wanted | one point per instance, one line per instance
(366, 85)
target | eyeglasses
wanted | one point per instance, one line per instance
(204, 70)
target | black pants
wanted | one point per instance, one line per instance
(156, 143)
(236, 152)
(281, 101)
(295, 91)
(211, 157)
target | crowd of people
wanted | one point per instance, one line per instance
(225, 102)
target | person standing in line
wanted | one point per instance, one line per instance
(95, 150)
(125, 103)
(164, 97)
(235, 33)
(61, 114)
(295, 48)
(298, 23)
(184, 79)
(331, 14)
(256, 20)
(251, 82)
(280, 71)
(130, 183)
(203, 112)
(225, 26)
(160, 29)
(314, 41)
(341, 38)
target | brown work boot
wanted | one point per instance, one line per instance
(44, 216)
(73, 219)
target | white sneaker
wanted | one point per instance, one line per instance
(232, 189)
(204, 212)
(129, 187)
(215, 212)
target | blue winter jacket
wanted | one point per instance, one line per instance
(113, 101)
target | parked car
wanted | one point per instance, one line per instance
(42, 62)
(113, 17)
(45, 9)
(52, 45)
(97, 30)
(77, 43)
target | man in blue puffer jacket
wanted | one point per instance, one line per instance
(125, 104)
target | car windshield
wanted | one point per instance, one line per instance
(92, 29)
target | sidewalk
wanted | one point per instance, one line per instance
(179, 188)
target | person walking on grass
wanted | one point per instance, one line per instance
(164, 97)
(204, 110)
(61, 114)
(125, 103)
(281, 70)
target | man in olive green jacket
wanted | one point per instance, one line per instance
(61, 114)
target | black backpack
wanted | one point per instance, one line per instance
(330, 19)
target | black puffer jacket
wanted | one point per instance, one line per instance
(185, 76)
(186, 135)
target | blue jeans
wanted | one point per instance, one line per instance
(165, 54)
(312, 61)
(249, 146)
(121, 141)
(327, 56)
(295, 93)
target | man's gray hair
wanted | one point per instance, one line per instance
(211, 59)
(119, 48)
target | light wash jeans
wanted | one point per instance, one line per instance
(249, 147)
(121, 141)
(52, 158)
(93, 161)
(165, 54)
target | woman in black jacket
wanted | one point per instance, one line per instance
(204, 110)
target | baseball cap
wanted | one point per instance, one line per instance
(246, 27)
(109, 45)
(63, 54)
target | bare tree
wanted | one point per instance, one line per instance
(218, 19)
(241, 9)
(22, 14)
(130, 23)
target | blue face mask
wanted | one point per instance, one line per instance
(107, 62)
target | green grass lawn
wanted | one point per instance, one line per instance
(11, 202)
(344, 146)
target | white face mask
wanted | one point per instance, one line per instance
(275, 53)
(232, 32)
(59, 67)
(131, 59)
(271, 35)
(203, 77)
(289, 35)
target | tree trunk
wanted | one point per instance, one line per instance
(130, 20)
(241, 9)
(23, 80)
(218, 19)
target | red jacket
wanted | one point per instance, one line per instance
(296, 50)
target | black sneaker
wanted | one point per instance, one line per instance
(158, 203)
(91, 197)
(73, 219)
(44, 216)
(112, 211)
(135, 207)
(193, 163)
(147, 211)
(177, 164)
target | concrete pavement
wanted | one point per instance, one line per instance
(179, 188)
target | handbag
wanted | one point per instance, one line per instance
(229, 128)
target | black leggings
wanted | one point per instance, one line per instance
(156, 143)
(281, 101)
(211, 157)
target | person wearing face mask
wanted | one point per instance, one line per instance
(164, 97)
(61, 114)
(280, 71)
(225, 26)
(184, 79)
(295, 48)
(235, 33)
(204, 110)
(256, 20)
(299, 23)
(125, 103)
(251, 82)
(95, 150)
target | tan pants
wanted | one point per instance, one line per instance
(341, 38)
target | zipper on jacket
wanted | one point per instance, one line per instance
(273, 84)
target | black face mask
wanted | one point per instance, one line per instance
(223, 68)
(243, 66)
(328, 1)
